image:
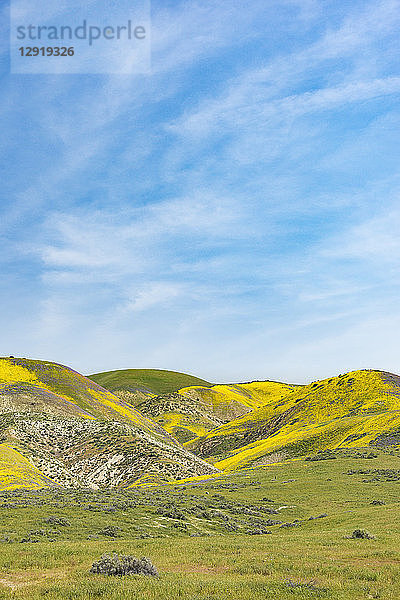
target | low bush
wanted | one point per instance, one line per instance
(110, 531)
(322, 455)
(170, 512)
(57, 521)
(119, 565)
(361, 534)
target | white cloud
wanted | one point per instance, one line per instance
(258, 115)
(237, 115)
(374, 240)
(131, 239)
(151, 295)
(333, 289)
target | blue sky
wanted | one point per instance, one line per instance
(234, 214)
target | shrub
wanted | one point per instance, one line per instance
(110, 531)
(322, 455)
(180, 526)
(361, 534)
(170, 512)
(6, 539)
(114, 564)
(57, 521)
(259, 531)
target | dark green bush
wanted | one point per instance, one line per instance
(322, 455)
(361, 534)
(57, 521)
(170, 512)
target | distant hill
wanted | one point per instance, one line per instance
(59, 428)
(58, 425)
(356, 409)
(137, 384)
(184, 405)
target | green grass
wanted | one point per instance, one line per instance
(156, 381)
(313, 560)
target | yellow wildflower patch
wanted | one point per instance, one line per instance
(13, 373)
(16, 471)
(345, 411)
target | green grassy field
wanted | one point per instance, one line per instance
(207, 540)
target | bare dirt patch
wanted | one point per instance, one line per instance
(16, 581)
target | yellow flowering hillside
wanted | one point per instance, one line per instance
(16, 471)
(192, 411)
(59, 428)
(357, 409)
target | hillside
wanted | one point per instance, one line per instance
(185, 406)
(137, 384)
(58, 425)
(229, 401)
(356, 409)
(194, 410)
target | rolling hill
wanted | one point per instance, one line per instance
(356, 409)
(137, 384)
(58, 427)
(193, 411)
(185, 406)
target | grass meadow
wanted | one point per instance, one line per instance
(278, 532)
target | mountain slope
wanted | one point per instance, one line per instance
(57, 427)
(77, 433)
(16, 471)
(356, 409)
(39, 385)
(228, 401)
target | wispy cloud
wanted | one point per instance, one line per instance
(151, 295)
(374, 241)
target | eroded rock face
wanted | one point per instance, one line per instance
(90, 453)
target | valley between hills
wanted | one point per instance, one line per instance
(247, 490)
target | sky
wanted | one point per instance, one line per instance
(234, 213)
